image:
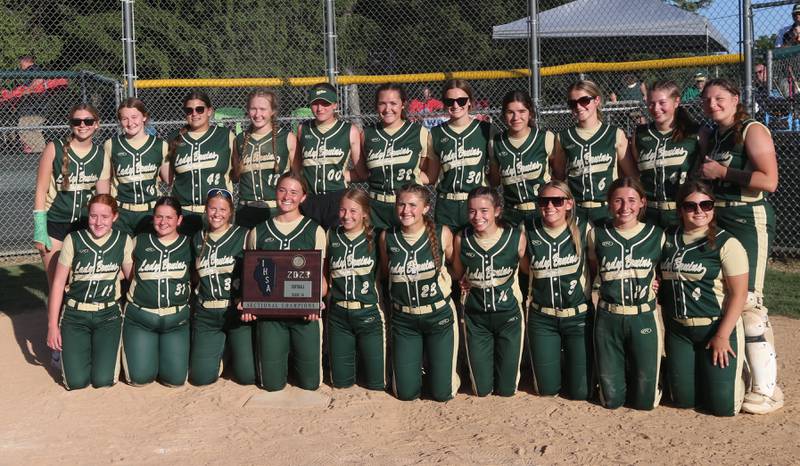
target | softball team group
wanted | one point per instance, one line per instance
(675, 215)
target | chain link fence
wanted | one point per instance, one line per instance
(223, 43)
(776, 58)
(55, 55)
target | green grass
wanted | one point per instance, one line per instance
(24, 289)
(782, 292)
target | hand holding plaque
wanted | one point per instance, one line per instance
(282, 283)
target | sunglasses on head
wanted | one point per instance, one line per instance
(200, 109)
(461, 101)
(582, 101)
(557, 201)
(77, 121)
(705, 206)
(214, 192)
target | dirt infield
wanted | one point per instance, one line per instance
(232, 424)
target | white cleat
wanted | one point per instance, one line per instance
(756, 403)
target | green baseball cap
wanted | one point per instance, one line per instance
(322, 93)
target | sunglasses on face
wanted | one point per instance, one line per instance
(77, 121)
(214, 192)
(461, 101)
(200, 109)
(582, 101)
(556, 201)
(705, 206)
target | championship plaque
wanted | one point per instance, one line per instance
(282, 283)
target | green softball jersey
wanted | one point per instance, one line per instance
(325, 154)
(462, 156)
(262, 163)
(664, 164)
(726, 151)
(393, 159)
(693, 273)
(352, 264)
(627, 261)
(414, 279)
(523, 165)
(202, 162)
(490, 267)
(134, 169)
(591, 161)
(558, 273)
(272, 235)
(160, 272)
(70, 204)
(94, 265)
(217, 257)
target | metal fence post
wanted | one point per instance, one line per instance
(128, 47)
(533, 52)
(330, 41)
(747, 46)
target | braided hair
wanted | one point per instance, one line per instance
(68, 142)
(430, 228)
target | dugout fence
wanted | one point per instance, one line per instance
(229, 48)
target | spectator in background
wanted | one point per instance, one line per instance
(693, 93)
(420, 109)
(782, 34)
(634, 90)
(30, 110)
(792, 36)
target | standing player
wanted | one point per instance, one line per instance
(460, 149)
(218, 253)
(741, 164)
(68, 171)
(200, 157)
(486, 260)
(87, 275)
(703, 290)
(561, 313)
(590, 155)
(666, 151)
(356, 332)
(265, 152)
(627, 333)
(155, 337)
(424, 320)
(134, 162)
(326, 145)
(520, 158)
(278, 339)
(393, 150)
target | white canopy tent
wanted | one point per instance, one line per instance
(618, 26)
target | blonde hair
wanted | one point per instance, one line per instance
(360, 197)
(430, 228)
(67, 142)
(572, 223)
(591, 88)
(273, 103)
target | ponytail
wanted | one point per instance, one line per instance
(430, 230)
(172, 150)
(65, 163)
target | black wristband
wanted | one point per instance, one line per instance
(740, 177)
